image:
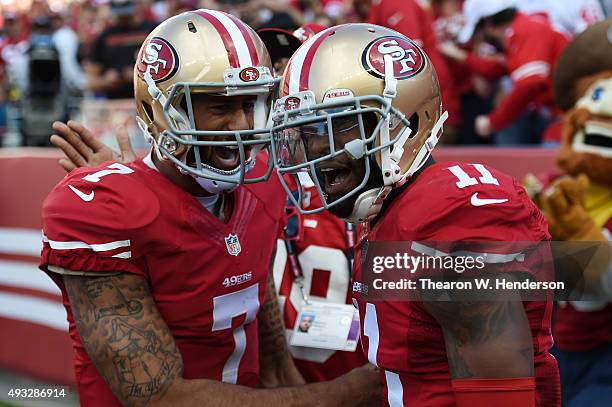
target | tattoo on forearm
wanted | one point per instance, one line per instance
(272, 341)
(124, 335)
(470, 328)
(99, 291)
(142, 362)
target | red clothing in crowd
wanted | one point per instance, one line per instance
(410, 19)
(532, 50)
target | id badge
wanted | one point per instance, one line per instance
(326, 326)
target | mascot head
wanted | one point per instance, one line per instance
(582, 84)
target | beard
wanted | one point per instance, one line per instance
(344, 209)
(495, 42)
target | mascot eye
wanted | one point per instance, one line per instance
(597, 93)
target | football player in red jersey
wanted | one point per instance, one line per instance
(364, 133)
(314, 260)
(320, 245)
(314, 251)
(161, 262)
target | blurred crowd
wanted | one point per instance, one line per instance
(494, 58)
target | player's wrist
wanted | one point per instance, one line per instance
(282, 373)
(360, 386)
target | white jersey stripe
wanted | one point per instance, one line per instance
(370, 329)
(539, 68)
(123, 255)
(242, 49)
(491, 258)
(395, 391)
(99, 247)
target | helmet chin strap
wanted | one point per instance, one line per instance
(216, 187)
(369, 203)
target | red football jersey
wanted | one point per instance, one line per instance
(447, 202)
(321, 249)
(530, 65)
(208, 277)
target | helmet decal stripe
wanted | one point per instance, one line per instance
(295, 68)
(287, 78)
(316, 42)
(232, 53)
(240, 43)
(247, 38)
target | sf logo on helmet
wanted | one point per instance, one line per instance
(292, 102)
(407, 58)
(249, 74)
(159, 59)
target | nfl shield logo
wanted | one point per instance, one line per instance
(233, 245)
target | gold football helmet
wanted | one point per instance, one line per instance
(356, 93)
(210, 52)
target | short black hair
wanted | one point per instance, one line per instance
(503, 17)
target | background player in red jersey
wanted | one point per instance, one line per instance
(364, 133)
(316, 252)
(160, 269)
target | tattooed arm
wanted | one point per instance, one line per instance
(485, 339)
(277, 367)
(131, 346)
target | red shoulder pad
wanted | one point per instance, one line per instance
(458, 201)
(93, 219)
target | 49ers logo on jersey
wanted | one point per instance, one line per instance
(249, 74)
(408, 59)
(158, 58)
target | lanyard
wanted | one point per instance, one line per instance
(350, 231)
(294, 262)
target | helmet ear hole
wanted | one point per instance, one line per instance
(148, 111)
(369, 122)
(183, 104)
(414, 123)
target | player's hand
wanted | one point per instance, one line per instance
(450, 50)
(563, 206)
(483, 126)
(128, 74)
(363, 386)
(113, 78)
(83, 149)
(533, 187)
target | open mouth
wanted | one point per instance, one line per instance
(598, 140)
(225, 158)
(335, 179)
(595, 138)
(598, 133)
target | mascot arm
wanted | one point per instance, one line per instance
(569, 221)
